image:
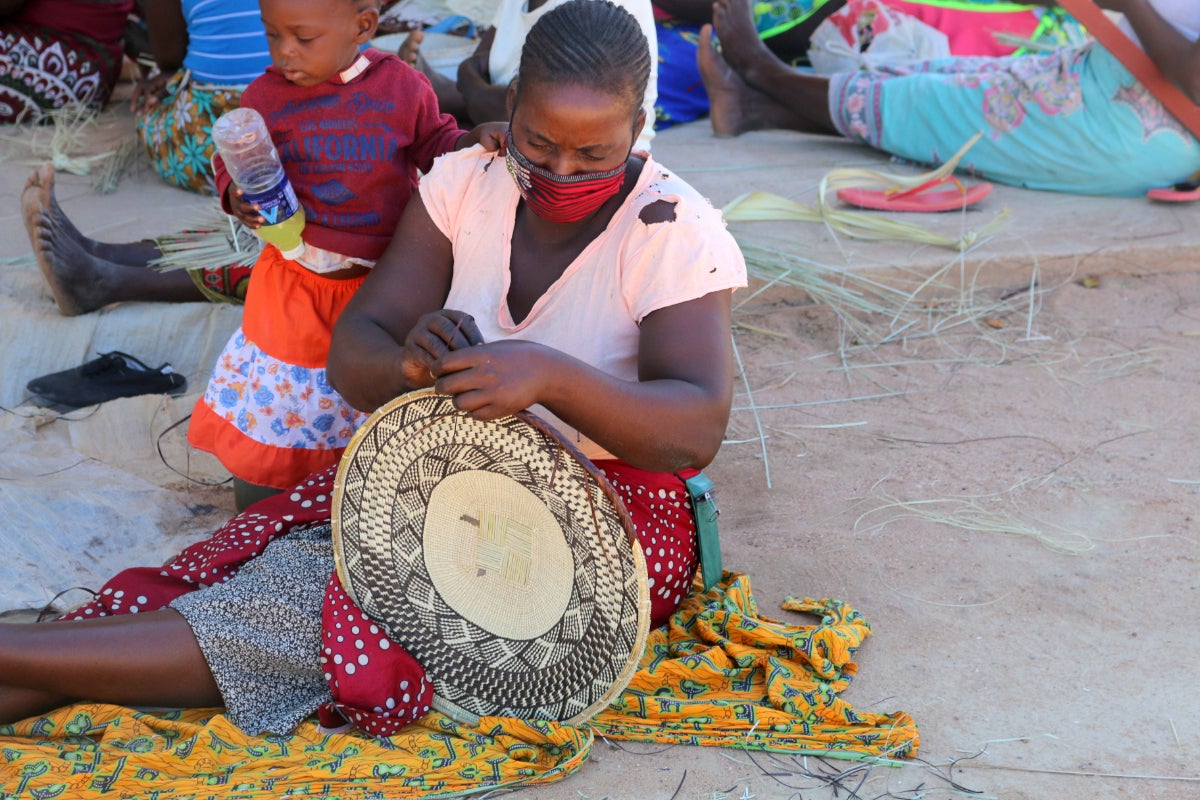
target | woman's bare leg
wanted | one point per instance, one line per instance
(748, 87)
(85, 274)
(149, 659)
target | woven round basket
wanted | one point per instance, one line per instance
(497, 555)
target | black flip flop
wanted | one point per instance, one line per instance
(108, 377)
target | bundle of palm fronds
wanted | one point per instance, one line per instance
(855, 298)
(212, 240)
(64, 139)
(760, 206)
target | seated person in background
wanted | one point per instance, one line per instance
(609, 307)
(483, 79)
(1072, 120)
(205, 54)
(787, 28)
(55, 53)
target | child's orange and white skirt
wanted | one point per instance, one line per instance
(269, 414)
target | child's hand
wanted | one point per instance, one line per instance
(246, 213)
(489, 134)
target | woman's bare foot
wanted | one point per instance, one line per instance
(741, 47)
(80, 277)
(69, 268)
(727, 93)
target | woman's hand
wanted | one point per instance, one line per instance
(495, 380)
(150, 91)
(435, 335)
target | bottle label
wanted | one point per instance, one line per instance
(277, 203)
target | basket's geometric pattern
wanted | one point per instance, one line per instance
(382, 494)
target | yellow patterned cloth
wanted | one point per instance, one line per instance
(722, 675)
(718, 675)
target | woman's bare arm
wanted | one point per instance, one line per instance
(367, 358)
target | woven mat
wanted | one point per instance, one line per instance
(719, 675)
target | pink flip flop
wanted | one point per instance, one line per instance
(918, 198)
(1187, 192)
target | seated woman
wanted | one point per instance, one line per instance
(55, 53)
(205, 53)
(609, 307)
(1073, 120)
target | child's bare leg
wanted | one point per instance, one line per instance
(148, 659)
(246, 494)
(84, 274)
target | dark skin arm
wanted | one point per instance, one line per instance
(484, 101)
(168, 40)
(1178, 58)
(672, 418)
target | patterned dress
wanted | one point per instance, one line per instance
(1074, 120)
(55, 53)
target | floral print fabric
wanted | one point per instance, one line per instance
(1073, 120)
(177, 133)
(41, 70)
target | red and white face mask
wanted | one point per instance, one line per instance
(560, 198)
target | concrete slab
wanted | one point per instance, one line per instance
(1011, 505)
(1059, 235)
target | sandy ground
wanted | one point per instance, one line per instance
(1009, 493)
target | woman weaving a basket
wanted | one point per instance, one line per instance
(567, 273)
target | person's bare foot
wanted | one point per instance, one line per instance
(726, 91)
(75, 276)
(741, 48)
(735, 106)
(410, 48)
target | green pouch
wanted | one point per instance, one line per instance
(704, 507)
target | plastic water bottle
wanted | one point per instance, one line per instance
(242, 139)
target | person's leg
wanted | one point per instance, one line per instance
(450, 100)
(148, 659)
(85, 275)
(749, 88)
(734, 106)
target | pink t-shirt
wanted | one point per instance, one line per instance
(592, 312)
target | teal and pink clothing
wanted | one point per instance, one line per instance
(1073, 120)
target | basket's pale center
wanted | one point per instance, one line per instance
(496, 554)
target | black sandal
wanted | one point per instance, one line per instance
(108, 377)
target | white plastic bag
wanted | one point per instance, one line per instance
(866, 33)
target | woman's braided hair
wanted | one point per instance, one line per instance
(592, 43)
